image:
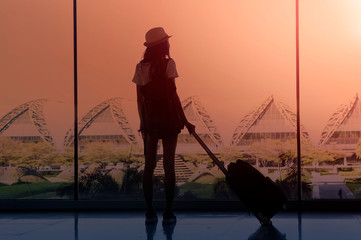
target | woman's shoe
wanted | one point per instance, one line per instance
(169, 218)
(151, 217)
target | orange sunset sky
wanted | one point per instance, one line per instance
(233, 54)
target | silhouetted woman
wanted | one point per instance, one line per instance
(161, 116)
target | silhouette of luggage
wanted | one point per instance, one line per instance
(258, 193)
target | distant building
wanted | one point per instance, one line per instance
(106, 122)
(27, 123)
(271, 120)
(343, 129)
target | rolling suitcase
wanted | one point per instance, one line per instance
(258, 193)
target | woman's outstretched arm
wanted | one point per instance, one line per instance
(140, 103)
(191, 128)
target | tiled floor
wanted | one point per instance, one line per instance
(190, 225)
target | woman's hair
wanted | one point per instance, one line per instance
(155, 56)
(156, 53)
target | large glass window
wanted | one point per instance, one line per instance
(236, 66)
(36, 72)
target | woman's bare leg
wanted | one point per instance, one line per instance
(151, 143)
(169, 147)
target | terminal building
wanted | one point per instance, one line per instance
(343, 129)
(26, 123)
(271, 120)
(106, 122)
(33, 121)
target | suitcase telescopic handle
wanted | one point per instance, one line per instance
(213, 157)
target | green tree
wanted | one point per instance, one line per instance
(288, 152)
(315, 154)
(95, 184)
(64, 157)
(231, 154)
(37, 154)
(133, 180)
(105, 153)
(266, 150)
(99, 153)
(10, 151)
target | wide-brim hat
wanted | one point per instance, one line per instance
(155, 36)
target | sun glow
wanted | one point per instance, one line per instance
(357, 17)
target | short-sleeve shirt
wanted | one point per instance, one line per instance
(142, 76)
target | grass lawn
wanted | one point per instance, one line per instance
(48, 195)
(26, 190)
(354, 184)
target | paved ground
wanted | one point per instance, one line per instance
(328, 187)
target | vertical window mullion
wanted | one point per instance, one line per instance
(299, 176)
(76, 182)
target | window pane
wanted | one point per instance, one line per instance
(36, 110)
(330, 50)
(236, 66)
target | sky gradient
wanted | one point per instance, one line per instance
(232, 54)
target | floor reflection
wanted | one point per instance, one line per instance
(150, 230)
(268, 232)
(76, 226)
(168, 230)
(190, 226)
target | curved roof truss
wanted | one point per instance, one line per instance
(205, 120)
(248, 120)
(251, 118)
(116, 109)
(36, 114)
(337, 118)
(291, 118)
